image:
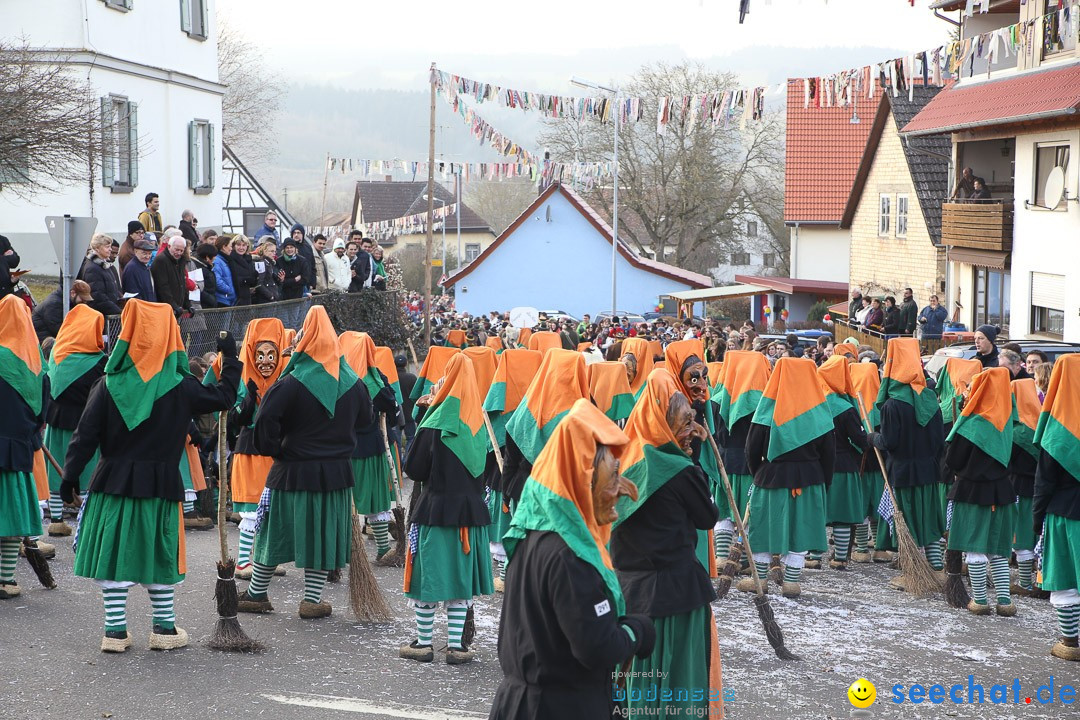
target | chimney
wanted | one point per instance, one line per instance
(388, 178)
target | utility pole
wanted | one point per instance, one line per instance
(430, 218)
(325, 179)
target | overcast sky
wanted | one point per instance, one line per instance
(537, 45)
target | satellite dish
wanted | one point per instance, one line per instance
(1054, 189)
(524, 317)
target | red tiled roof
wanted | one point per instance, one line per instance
(687, 277)
(1042, 95)
(823, 152)
(789, 286)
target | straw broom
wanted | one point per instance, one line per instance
(956, 594)
(365, 597)
(399, 511)
(227, 635)
(38, 563)
(919, 577)
(773, 633)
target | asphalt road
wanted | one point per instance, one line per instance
(845, 626)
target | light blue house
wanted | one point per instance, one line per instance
(557, 256)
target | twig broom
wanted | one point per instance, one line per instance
(400, 536)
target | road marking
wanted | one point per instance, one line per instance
(394, 710)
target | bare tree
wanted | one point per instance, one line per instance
(680, 191)
(50, 123)
(500, 203)
(251, 100)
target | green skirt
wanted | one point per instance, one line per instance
(371, 485)
(720, 498)
(500, 518)
(873, 486)
(56, 442)
(1024, 534)
(442, 571)
(20, 513)
(676, 675)
(923, 512)
(845, 499)
(185, 471)
(239, 507)
(740, 488)
(311, 529)
(982, 528)
(780, 523)
(130, 540)
(1061, 556)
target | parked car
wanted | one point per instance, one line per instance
(652, 316)
(806, 338)
(560, 316)
(1053, 349)
(632, 318)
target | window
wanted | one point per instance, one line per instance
(992, 298)
(1058, 32)
(16, 165)
(740, 258)
(193, 18)
(751, 228)
(121, 5)
(119, 143)
(201, 156)
(901, 216)
(1047, 157)
(883, 216)
(1047, 301)
(768, 260)
(472, 251)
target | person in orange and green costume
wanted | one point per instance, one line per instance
(610, 390)
(564, 628)
(738, 393)
(865, 384)
(984, 501)
(790, 450)
(1056, 507)
(653, 550)
(131, 526)
(448, 558)
(434, 367)
(1022, 466)
(22, 395)
(637, 355)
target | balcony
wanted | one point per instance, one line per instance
(978, 225)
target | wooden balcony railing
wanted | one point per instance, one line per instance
(981, 225)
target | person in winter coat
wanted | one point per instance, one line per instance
(269, 277)
(49, 314)
(292, 269)
(338, 268)
(242, 265)
(168, 272)
(892, 317)
(203, 260)
(223, 280)
(98, 274)
(307, 252)
(269, 229)
(136, 276)
(187, 230)
(135, 232)
(322, 279)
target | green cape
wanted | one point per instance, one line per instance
(134, 398)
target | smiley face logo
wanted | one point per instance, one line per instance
(862, 693)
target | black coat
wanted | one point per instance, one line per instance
(913, 456)
(137, 280)
(450, 496)
(850, 437)
(1056, 491)
(307, 254)
(809, 464)
(104, 285)
(653, 550)
(64, 411)
(361, 265)
(244, 276)
(19, 429)
(291, 287)
(557, 650)
(189, 233)
(170, 280)
(144, 462)
(48, 316)
(268, 286)
(733, 444)
(7, 264)
(892, 320)
(980, 479)
(369, 439)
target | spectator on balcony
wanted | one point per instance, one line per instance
(980, 193)
(875, 318)
(909, 313)
(858, 317)
(932, 320)
(856, 304)
(965, 185)
(891, 321)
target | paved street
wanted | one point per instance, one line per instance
(845, 626)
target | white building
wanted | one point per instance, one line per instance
(153, 64)
(759, 254)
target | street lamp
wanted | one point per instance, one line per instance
(441, 284)
(579, 82)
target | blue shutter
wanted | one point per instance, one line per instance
(108, 178)
(133, 143)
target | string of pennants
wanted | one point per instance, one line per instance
(409, 224)
(446, 169)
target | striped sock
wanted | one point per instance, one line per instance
(502, 567)
(841, 536)
(382, 535)
(723, 543)
(314, 582)
(56, 507)
(813, 556)
(425, 621)
(1068, 617)
(762, 569)
(9, 557)
(260, 580)
(999, 568)
(455, 625)
(189, 506)
(243, 554)
(161, 600)
(862, 537)
(935, 556)
(791, 574)
(1023, 578)
(115, 601)
(977, 575)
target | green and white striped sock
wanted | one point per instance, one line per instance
(862, 537)
(161, 600)
(260, 580)
(9, 557)
(723, 543)
(425, 621)
(935, 556)
(189, 506)
(382, 535)
(455, 625)
(502, 567)
(977, 575)
(999, 568)
(813, 556)
(243, 554)
(792, 574)
(1023, 578)
(762, 569)
(115, 601)
(314, 582)
(841, 535)
(1068, 617)
(56, 507)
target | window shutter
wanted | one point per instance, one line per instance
(204, 31)
(211, 156)
(133, 143)
(185, 15)
(1048, 290)
(192, 161)
(108, 178)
